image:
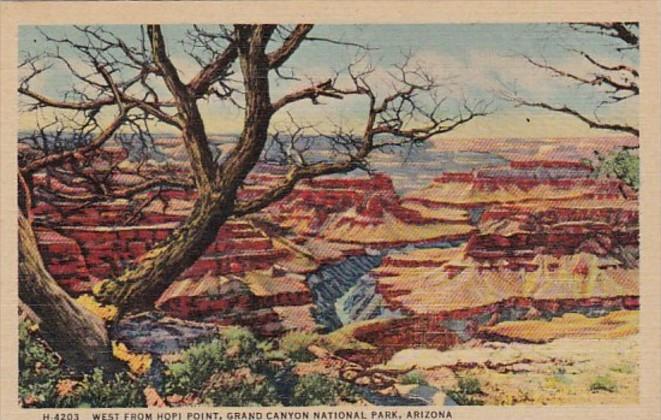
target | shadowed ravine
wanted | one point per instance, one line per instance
(344, 292)
(333, 282)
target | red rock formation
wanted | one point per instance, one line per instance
(364, 211)
(325, 220)
(430, 330)
(520, 182)
(64, 260)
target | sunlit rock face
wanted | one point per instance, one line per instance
(481, 188)
(465, 283)
(549, 241)
(363, 212)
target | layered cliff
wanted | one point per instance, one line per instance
(471, 248)
(259, 270)
(548, 242)
(364, 212)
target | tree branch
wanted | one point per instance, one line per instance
(590, 122)
(128, 192)
(619, 30)
(77, 153)
(614, 83)
(152, 108)
(617, 67)
(215, 70)
(289, 46)
(295, 174)
(325, 89)
(44, 101)
(597, 80)
(194, 133)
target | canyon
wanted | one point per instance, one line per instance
(434, 267)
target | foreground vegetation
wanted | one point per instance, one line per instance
(623, 165)
(233, 369)
(45, 382)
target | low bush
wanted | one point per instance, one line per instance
(624, 368)
(241, 388)
(414, 377)
(470, 385)
(39, 370)
(603, 383)
(622, 164)
(232, 370)
(295, 345)
(95, 390)
(317, 389)
(466, 391)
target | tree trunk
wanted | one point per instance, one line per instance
(140, 286)
(77, 335)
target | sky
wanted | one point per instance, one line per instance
(475, 62)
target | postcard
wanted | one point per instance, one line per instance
(330, 211)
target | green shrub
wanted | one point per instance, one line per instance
(624, 367)
(561, 378)
(237, 336)
(463, 399)
(40, 371)
(197, 365)
(95, 390)
(603, 383)
(295, 345)
(624, 165)
(233, 370)
(240, 388)
(470, 385)
(414, 377)
(317, 389)
(467, 388)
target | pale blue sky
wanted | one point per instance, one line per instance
(475, 60)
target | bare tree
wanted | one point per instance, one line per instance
(122, 95)
(613, 82)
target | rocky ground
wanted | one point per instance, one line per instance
(575, 370)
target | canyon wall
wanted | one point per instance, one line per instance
(471, 248)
